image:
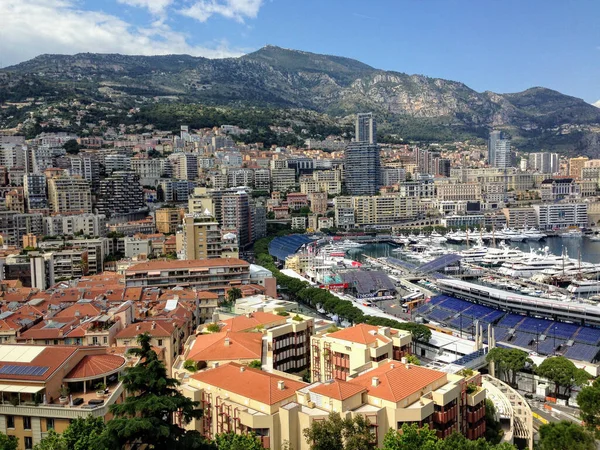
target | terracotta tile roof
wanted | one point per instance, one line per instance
(79, 310)
(251, 383)
(338, 389)
(187, 264)
(159, 328)
(55, 328)
(50, 357)
(133, 293)
(396, 382)
(212, 347)
(205, 295)
(96, 365)
(244, 323)
(67, 295)
(360, 334)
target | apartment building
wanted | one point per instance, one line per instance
(283, 179)
(262, 180)
(88, 224)
(555, 216)
(150, 171)
(381, 210)
(554, 189)
(318, 202)
(120, 194)
(174, 190)
(69, 195)
(214, 275)
(240, 177)
(168, 220)
(458, 191)
(347, 352)
(277, 409)
(576, 165)
(327, 181)
(199, 238)
(34, 186)
(185, 165)
(520, 217)
(31, 381)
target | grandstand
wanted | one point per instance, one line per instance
(532, 334)
(284, 246)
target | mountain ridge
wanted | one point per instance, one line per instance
(336, 85)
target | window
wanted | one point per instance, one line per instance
(105, 340)
(27, 422)
(28, 442)
(160, 342)
(10, 421)
(49, 424)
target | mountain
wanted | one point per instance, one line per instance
(413, 106)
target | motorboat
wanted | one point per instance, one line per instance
(573, 233)
(497, 256)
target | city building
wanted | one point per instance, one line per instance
(554, 189)
(576, 165)
(520, 217)
(69, 225)
(32, 378)
(553, 216)
(168, 220)
(277, 409)
(69, 195)
(185, 165)
(544, 162)
(347, 352)
(150, 171)
(215, 275)
(365, 128)
(499, 152)
(34, 186)
(318, 202)
(121, 194)
(200, 237)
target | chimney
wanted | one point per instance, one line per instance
(227, 342)
(407, 366)
(153, 325)
(392, 366)
(384, 331)
(215, 365)
(249, 315)
(375, 381)
(242, 368)
(138, 327)
(281, 385)
(403, 360)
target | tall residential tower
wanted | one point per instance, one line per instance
(362, 166)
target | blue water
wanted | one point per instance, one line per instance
(590, 250)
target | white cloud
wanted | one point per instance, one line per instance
(156, 7)
(237, 10)
(32, 27)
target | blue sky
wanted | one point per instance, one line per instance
(498, 45)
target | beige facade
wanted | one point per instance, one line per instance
(168, 220)
(459, 191)
(200, 237)
(575, 166)
(69, 194)
(384, 209)
(520, 217)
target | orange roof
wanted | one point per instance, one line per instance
(96, 365)
(338, 389)
(205, 295)
(54, 328)
(360, 334)
(213, 347)
(160, 328)
(244, 323)
(79, 310)
(185, 264)
(132, 293)
(51, 357)
(251, 383)
(396, 381)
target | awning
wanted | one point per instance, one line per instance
(154, 273)
(20, 389)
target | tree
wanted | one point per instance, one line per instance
(233, 441)
(335, 433)
(565, 436)
(493, 428)
(8, 442)
(233, 294)
(154, 412)
(410, 437)
(213, 328)
(256, 364)
(589, 405)
(412, 359)
(563, 373)
(508, 362)
(52, 441)
(72, 146)
(83, 434)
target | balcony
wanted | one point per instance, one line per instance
(255, 419)
(476, 415)
(475, 398)
(443, 417)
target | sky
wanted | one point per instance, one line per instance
(497, 45)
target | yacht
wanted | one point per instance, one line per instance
(348, 244)
(529, 265)
(474, 254)
(575, 233)
(496, 256)
(595, 237)
(584, 286)
(533, 234)
(512, 235)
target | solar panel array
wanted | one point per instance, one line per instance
(282, 247)
(439, 263)
(33, 371)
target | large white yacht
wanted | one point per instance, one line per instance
(497, 256)
(529, 264)
(584, 286)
